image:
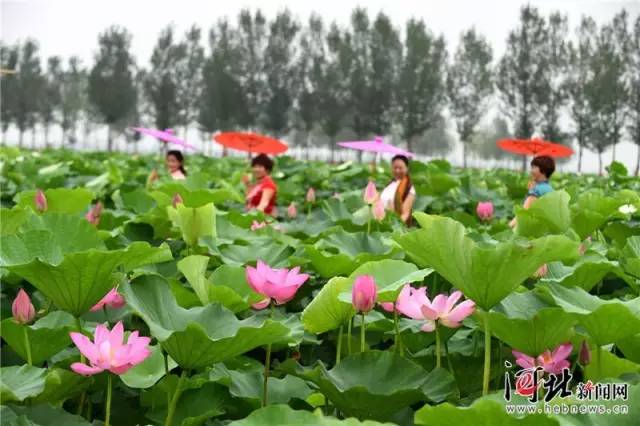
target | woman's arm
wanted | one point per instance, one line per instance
(527, 203)
(267, 195)
(407, 206)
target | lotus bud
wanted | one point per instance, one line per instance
(41, 201)
(177, 199)
(484, 210)
(22, 308)
(311, 196)
(292, 212)
(378, 210)
(370, 193)
(364, 293)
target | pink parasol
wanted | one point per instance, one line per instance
(376, 145)
(166, 135)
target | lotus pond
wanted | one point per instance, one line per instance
(126, 303)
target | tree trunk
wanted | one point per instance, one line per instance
(579, 158)
(638, 162)
(307, 145)
(600, 163)
(46, 136)
(109, 139)
(33, 138)
(464, 155)
(20, 138)
(613, 153)
(524, 163)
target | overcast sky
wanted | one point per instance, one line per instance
(71, 27)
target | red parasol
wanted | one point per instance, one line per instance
(251, 142)
(535, 147)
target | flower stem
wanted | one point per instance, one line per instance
(265, 383)
(487, 357)
(398, 342)
(106, 315)
(107, 408)
(166, 373)
(339, 347)
(349, 336)
(446, 354)
(79, 325)
(362, 334)
(27, 344)
(437, 346)
(369, 220)
(174, 400)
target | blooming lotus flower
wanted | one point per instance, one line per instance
(93, 215)
(292, 212)
(41, 201)
(378, 210)
(113, 300)
(484, 210)
(177, 199)
(258, 225)
(627, 209)
(280, 285)
(370, 193)
(108, 350)
(364, 293)
(552, 362)
(311, 196)
(415, 304)
(22, 308)
(585, 354)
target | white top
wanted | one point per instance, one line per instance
(178, 175)
(389, 193)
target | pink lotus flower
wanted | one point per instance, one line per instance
(113, 300)
(485, 210)
(311, 196)
(378, 210)
(22, 308)
(41, 201)
(177, 199)
(370, 193)
(415, 304)
(258, 225)
(108, 350)
(93, 215)
(552, 362)
(387, 306)
(280, 285)
(292, 212)
(364, 293)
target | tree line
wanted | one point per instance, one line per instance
(318, 80)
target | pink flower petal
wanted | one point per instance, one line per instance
(452, 299)
(439, 304)
(524, 360)
(255, 279)
(101, 334)
(85, 346)
(428, 326)
(262, 304)
(461, 311)
(84, 369)
(116, 337)
(562, 352)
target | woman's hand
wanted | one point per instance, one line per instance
(245, 180)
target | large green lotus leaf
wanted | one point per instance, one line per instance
(194, 222)
(20, 382)
(193, 198)
(609, 366)
(148, 372)
(47, 337)
(249, 385)
(630, 256)
(434, 181)
(60, 385)
(195, 406)
(585, 273)
(273, 253)
(546, 329)
(331, 265)
(59, 200)
(12, 219)
(83, 278)
(592, 210)
(630, 347)
(197, 337)
(136, 200)
(368, 385)
(483, 412)
(326, 311)
(619, 232)
(390, 276)
(283, 415)
(546, 215)
(607, 321)
(226, 285)
(48, 238)
(39, 415)
(353, 244)
(485, 272)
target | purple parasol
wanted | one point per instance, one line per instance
(376, 145)
(166, 135)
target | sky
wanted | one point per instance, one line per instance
(71, 27)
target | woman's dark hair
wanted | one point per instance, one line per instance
(264, 161)
(546, 165)
(402, 158)
(178, 156)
